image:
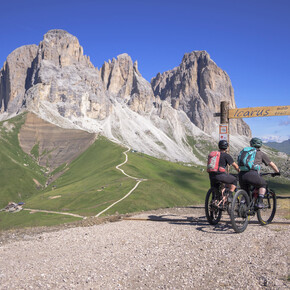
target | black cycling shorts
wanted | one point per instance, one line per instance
(222, 177)
(251, 177)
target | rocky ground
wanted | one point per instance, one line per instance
(163, 249)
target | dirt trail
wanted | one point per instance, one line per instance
(138, 180)
(135, 178)
(163, 249)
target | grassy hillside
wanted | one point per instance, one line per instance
(168, 184)
(20, 176)
(91, 183)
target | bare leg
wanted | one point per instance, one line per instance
(262, 191)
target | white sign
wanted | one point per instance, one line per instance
(224, 137)
(224, 129)
(224, 132)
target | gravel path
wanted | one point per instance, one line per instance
(180, 251)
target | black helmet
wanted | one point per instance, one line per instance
(223, 144)
(256, 142)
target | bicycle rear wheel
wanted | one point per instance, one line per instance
(212, 211)
(239, 211)
(266, 215)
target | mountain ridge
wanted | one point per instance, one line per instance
(60, 85)
(283, 146)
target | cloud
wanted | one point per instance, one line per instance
(274, 138)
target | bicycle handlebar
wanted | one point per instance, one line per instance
(273, 174)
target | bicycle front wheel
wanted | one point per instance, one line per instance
(266, 214)
(212, 211)
(239, 211)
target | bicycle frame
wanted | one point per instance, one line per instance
(244, 206)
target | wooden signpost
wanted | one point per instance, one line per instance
(226, 114)
(259, 112)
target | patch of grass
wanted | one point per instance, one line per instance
(35, 151)
(90, 183)
(24, 219)
(279, 185)
(192, 142)
(18, 169)
(168, 185)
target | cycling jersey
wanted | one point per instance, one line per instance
(225, 159)
(261, 157)
(252, 177)
(216, 177)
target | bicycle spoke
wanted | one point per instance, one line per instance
(239, 211)
(266, 215)
(212, 208)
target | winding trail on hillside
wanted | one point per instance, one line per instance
(56, 212)
(139, 180)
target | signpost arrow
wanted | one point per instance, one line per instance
(259, 112)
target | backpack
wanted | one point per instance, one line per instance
(246, 159)
(213, 161)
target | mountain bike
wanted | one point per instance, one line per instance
(244, 205)
(217, 201)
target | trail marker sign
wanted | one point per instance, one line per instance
(258, 112)
(224, 132)
(226, 114)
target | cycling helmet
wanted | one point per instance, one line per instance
(223, 144)
(256, 142)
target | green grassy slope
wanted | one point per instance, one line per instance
(168, 184)
(91, 183)
(17, 169)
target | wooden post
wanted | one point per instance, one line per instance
(225, 120)
(224, 112)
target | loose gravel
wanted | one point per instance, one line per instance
(164, 249)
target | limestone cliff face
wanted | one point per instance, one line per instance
(66, 78)
(197, 86)
(14, 77)
(57, 82)
(122, 79)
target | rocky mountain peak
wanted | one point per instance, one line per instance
(14, 77)
(123, 80)
(57, 82)
(62, 49)
(190, 58)
(197, 86)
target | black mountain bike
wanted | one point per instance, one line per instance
(216, 201)
(244, 206)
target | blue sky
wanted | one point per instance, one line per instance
(249, 39)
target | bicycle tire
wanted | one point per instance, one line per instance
(239, 211)
(266, 215)
(212, 211)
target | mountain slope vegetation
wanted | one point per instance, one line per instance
(20, 175)
(91, 182)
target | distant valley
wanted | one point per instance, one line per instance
(280, 146)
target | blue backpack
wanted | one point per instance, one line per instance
(246, 159)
